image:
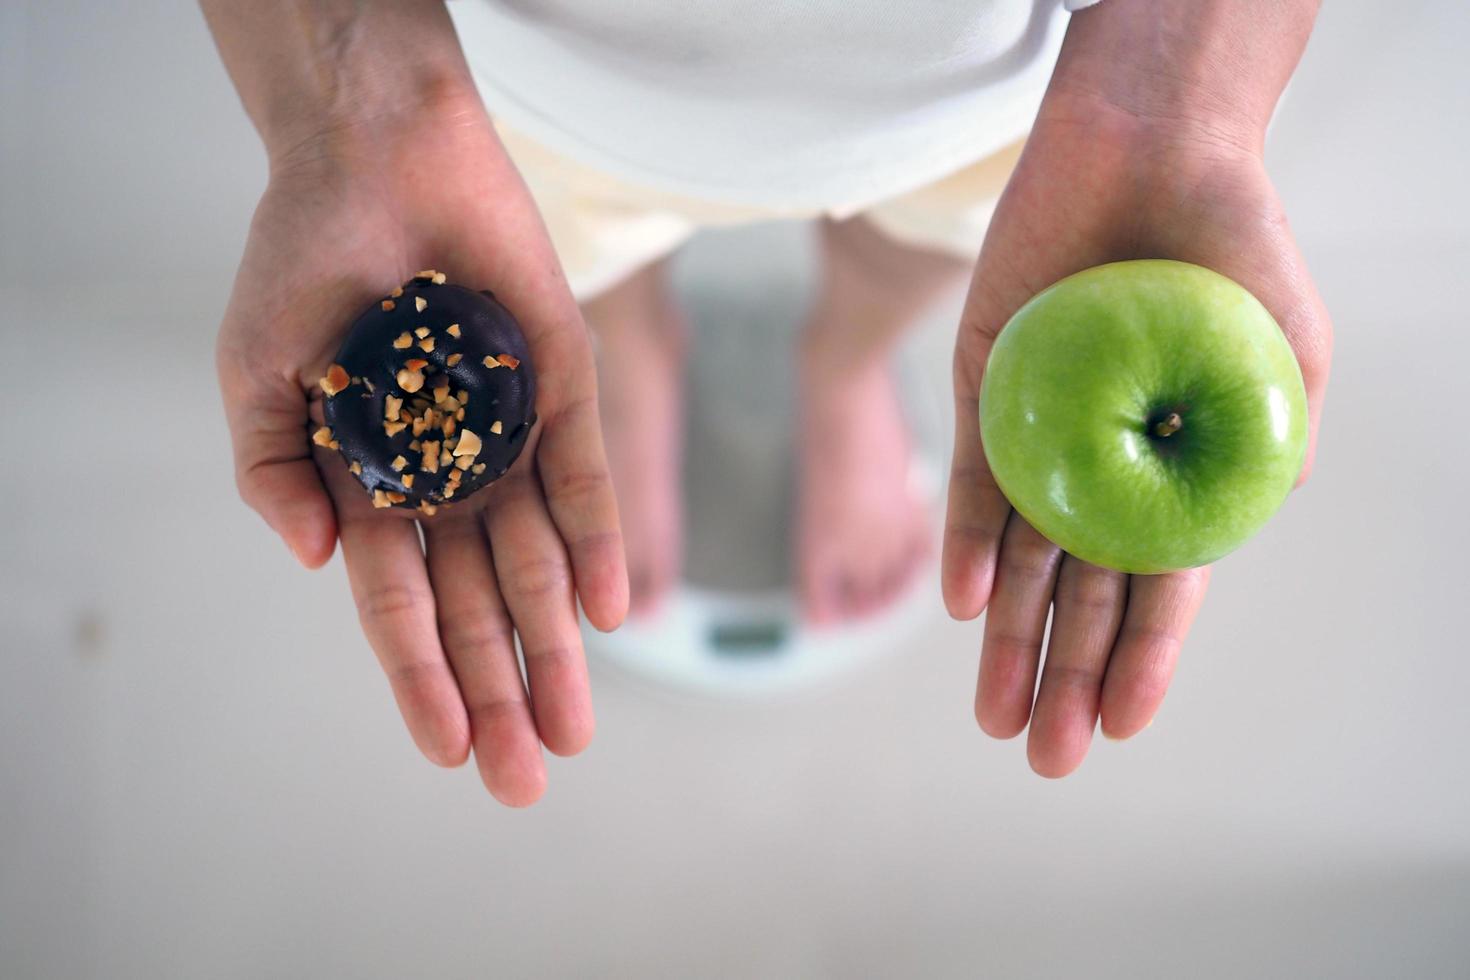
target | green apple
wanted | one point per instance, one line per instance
(1147, 416)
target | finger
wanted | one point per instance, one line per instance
(1088, 608)
(580, 498)
(522, 269)
(390, 584)
(1025, 578)
(977, 510)
(480, 643)
(274, 471)
(1160, 611)
(536, 580)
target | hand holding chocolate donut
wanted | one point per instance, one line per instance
(435, 399)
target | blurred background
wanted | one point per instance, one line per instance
(202, 773)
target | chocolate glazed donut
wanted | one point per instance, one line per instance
(432, 395)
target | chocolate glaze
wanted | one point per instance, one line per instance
(504, 394)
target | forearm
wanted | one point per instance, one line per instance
(309, 69)
(1213, 68)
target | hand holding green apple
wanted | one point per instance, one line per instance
(1094, 188)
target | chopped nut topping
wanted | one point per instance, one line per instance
(397, 292)
(355, 468)
(429, 509)
(380, 499)
(445, 457)
(449, 490)
(420, 426)
(416, 364)
(490, 362)
(410, 381)
(464, 462)
(453, 330)
(426, 345)
(430, 462)
(508, 361)
(415, 445)
(453, 359)
(456, 475)
(496, 427)
(395, 497)
(464, 397)
(468, 445)
(425, 274)
(337, 378)
(393, 428)
(477, 469)
(388, 305)
(398, 464)
(404, 341)
(438, 278)
(421, 332)
(334, 444)
(392, 405)
(408, 480)
(449, 426)
(420, 304)
(459, 415)
(322, 436)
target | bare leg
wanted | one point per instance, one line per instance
(640, 366)
(862, 531)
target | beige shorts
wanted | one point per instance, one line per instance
(604, 228)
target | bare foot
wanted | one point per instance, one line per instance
(640, 366)
(863, 530)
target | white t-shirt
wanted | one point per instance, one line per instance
(794, 104)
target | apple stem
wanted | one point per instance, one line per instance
(1169, 425)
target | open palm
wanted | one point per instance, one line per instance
(343, 221)
(1093, 188)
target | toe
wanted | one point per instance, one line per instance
(648, 586)
(897, 574)
(853, 596)
(819, 593)
(874, 590)
(895, 581)
(640, 590)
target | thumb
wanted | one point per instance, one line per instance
(274, 471)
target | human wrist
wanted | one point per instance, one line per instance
(316, 76)
(1208, 71)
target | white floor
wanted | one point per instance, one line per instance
(201, 773)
